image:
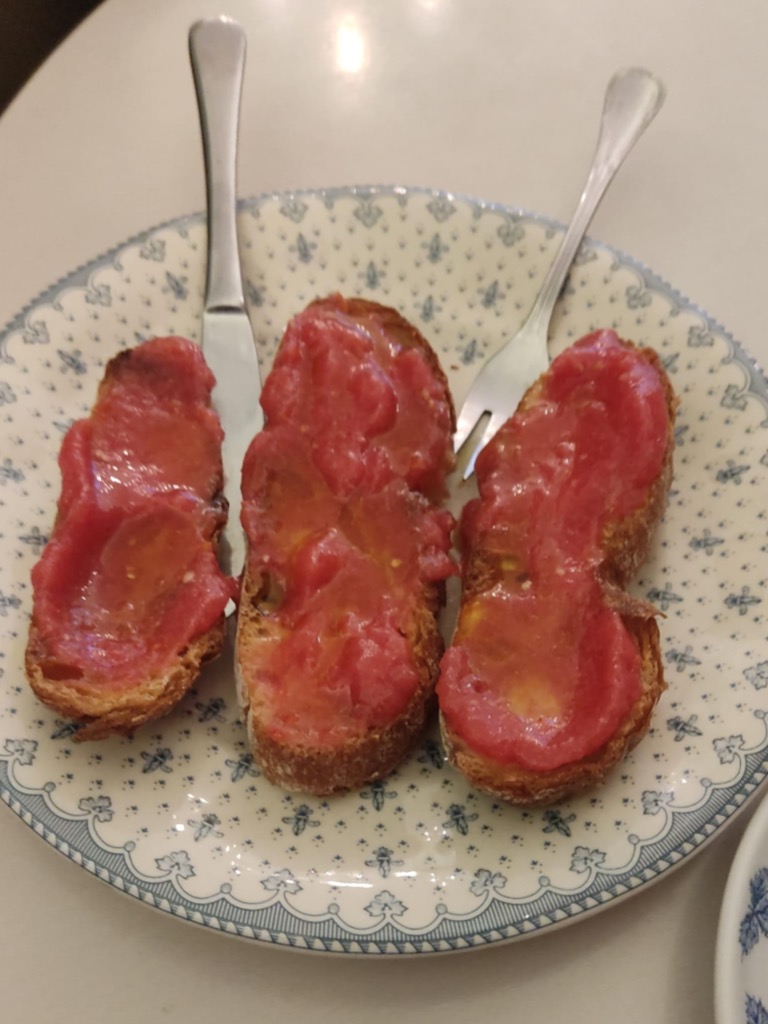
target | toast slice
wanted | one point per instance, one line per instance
(554, 669)
(128, 596)
(338, 644)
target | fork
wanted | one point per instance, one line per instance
(632, 100)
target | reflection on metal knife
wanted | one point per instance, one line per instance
(217, 53)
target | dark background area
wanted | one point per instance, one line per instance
(29, 31)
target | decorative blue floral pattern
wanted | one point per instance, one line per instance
(756, 1013)
(180, 817)
(754, 924)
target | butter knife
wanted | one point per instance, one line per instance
(217, 55)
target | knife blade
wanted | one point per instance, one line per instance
(217, 54)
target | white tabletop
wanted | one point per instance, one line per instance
(491, 99)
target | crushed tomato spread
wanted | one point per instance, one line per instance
(130, 576)
(542, 670)
(342, 527)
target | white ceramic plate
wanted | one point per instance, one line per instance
(179, 817)
(741, 963)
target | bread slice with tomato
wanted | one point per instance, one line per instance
(555, 669)
(128, 597)
(338, 643)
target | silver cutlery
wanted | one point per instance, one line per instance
(632, 100)
(217, 53)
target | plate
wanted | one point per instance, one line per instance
(179, 817)
(741, 958)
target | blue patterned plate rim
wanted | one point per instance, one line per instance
(687, 829)
(518, 212)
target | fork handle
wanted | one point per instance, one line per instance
(632, 100)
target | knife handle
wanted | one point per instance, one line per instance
(217, 54)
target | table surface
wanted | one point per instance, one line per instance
(489, 99)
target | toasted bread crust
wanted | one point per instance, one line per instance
(626, 545)
(372, 755)
(323, 771)
(107, 712)
(521, 786)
